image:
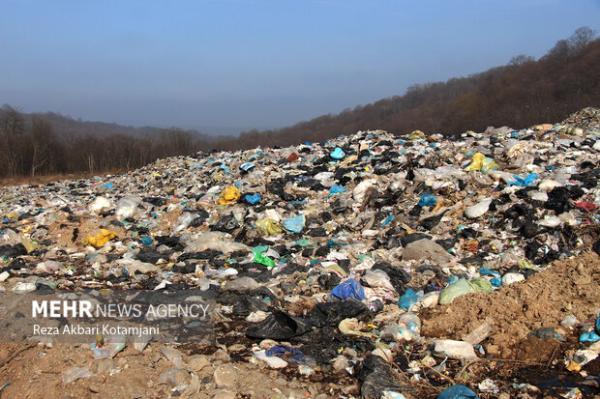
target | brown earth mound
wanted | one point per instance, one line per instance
(544, 300)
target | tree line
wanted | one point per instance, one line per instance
(520, 94)
(30, 146)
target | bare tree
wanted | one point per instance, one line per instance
(42, 142)
(520, 59)
(12, 129)
(581, 38)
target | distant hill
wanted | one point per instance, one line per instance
(33, 144)
(67, 126)
(520, 94)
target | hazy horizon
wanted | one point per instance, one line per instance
(226, 66)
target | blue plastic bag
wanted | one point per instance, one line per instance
(526, 181)
(146, 240)
(334, 244)
(388, 219)
(252, 199)
(298, 202)
(427, 200)
(590, 336)
(349, 289)
(598, 325)
(486, 271)
(457, 392)
(336, 189)
(294, 224)
(495, 280)
(247, 166)
(408, 299)
(337, 154)
(280, 350)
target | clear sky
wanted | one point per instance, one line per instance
(235, 64)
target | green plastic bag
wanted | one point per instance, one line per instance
(463, 287)
(261, 258)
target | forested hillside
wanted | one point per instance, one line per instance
(520, 94)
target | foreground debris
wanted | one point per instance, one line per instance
(373, 265)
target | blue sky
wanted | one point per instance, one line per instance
(226, 65)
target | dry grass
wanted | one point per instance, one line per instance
(45, 179)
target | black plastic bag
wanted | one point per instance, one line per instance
(377, 376)
(278, 326)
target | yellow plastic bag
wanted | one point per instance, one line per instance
(29, 245)
(100, 239)
(573, 366)
(481, 163)
(230, 195)
(416, 135)
(268, 227)
(12, 216)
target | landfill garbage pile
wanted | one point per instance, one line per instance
(587, 118)
(330, 263)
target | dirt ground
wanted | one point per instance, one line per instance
(566, 287)
(37, 372)
(544, 300)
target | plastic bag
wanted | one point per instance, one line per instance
(416, 135)
(332, 313)
(184, 221)
(126, 207)
(100, 239)
(76, 373)
(213, 240)
(427, 200)
(336, 189)
(99, 205)
(589, 336)
(586, 206)
(407, 329)
(376, 377)
(526, 181)
(337, 154)
(278, 326)
(408, 299)
(252, 199)
(349, 289)
(261, 258)
(230, 195)
(12, 251)
(463, 287)
(247, 166)
(478, 209)
(268, 227)
(457, 392)
(282, 350)
(481, 163)
(146, 240)
(294, 224)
